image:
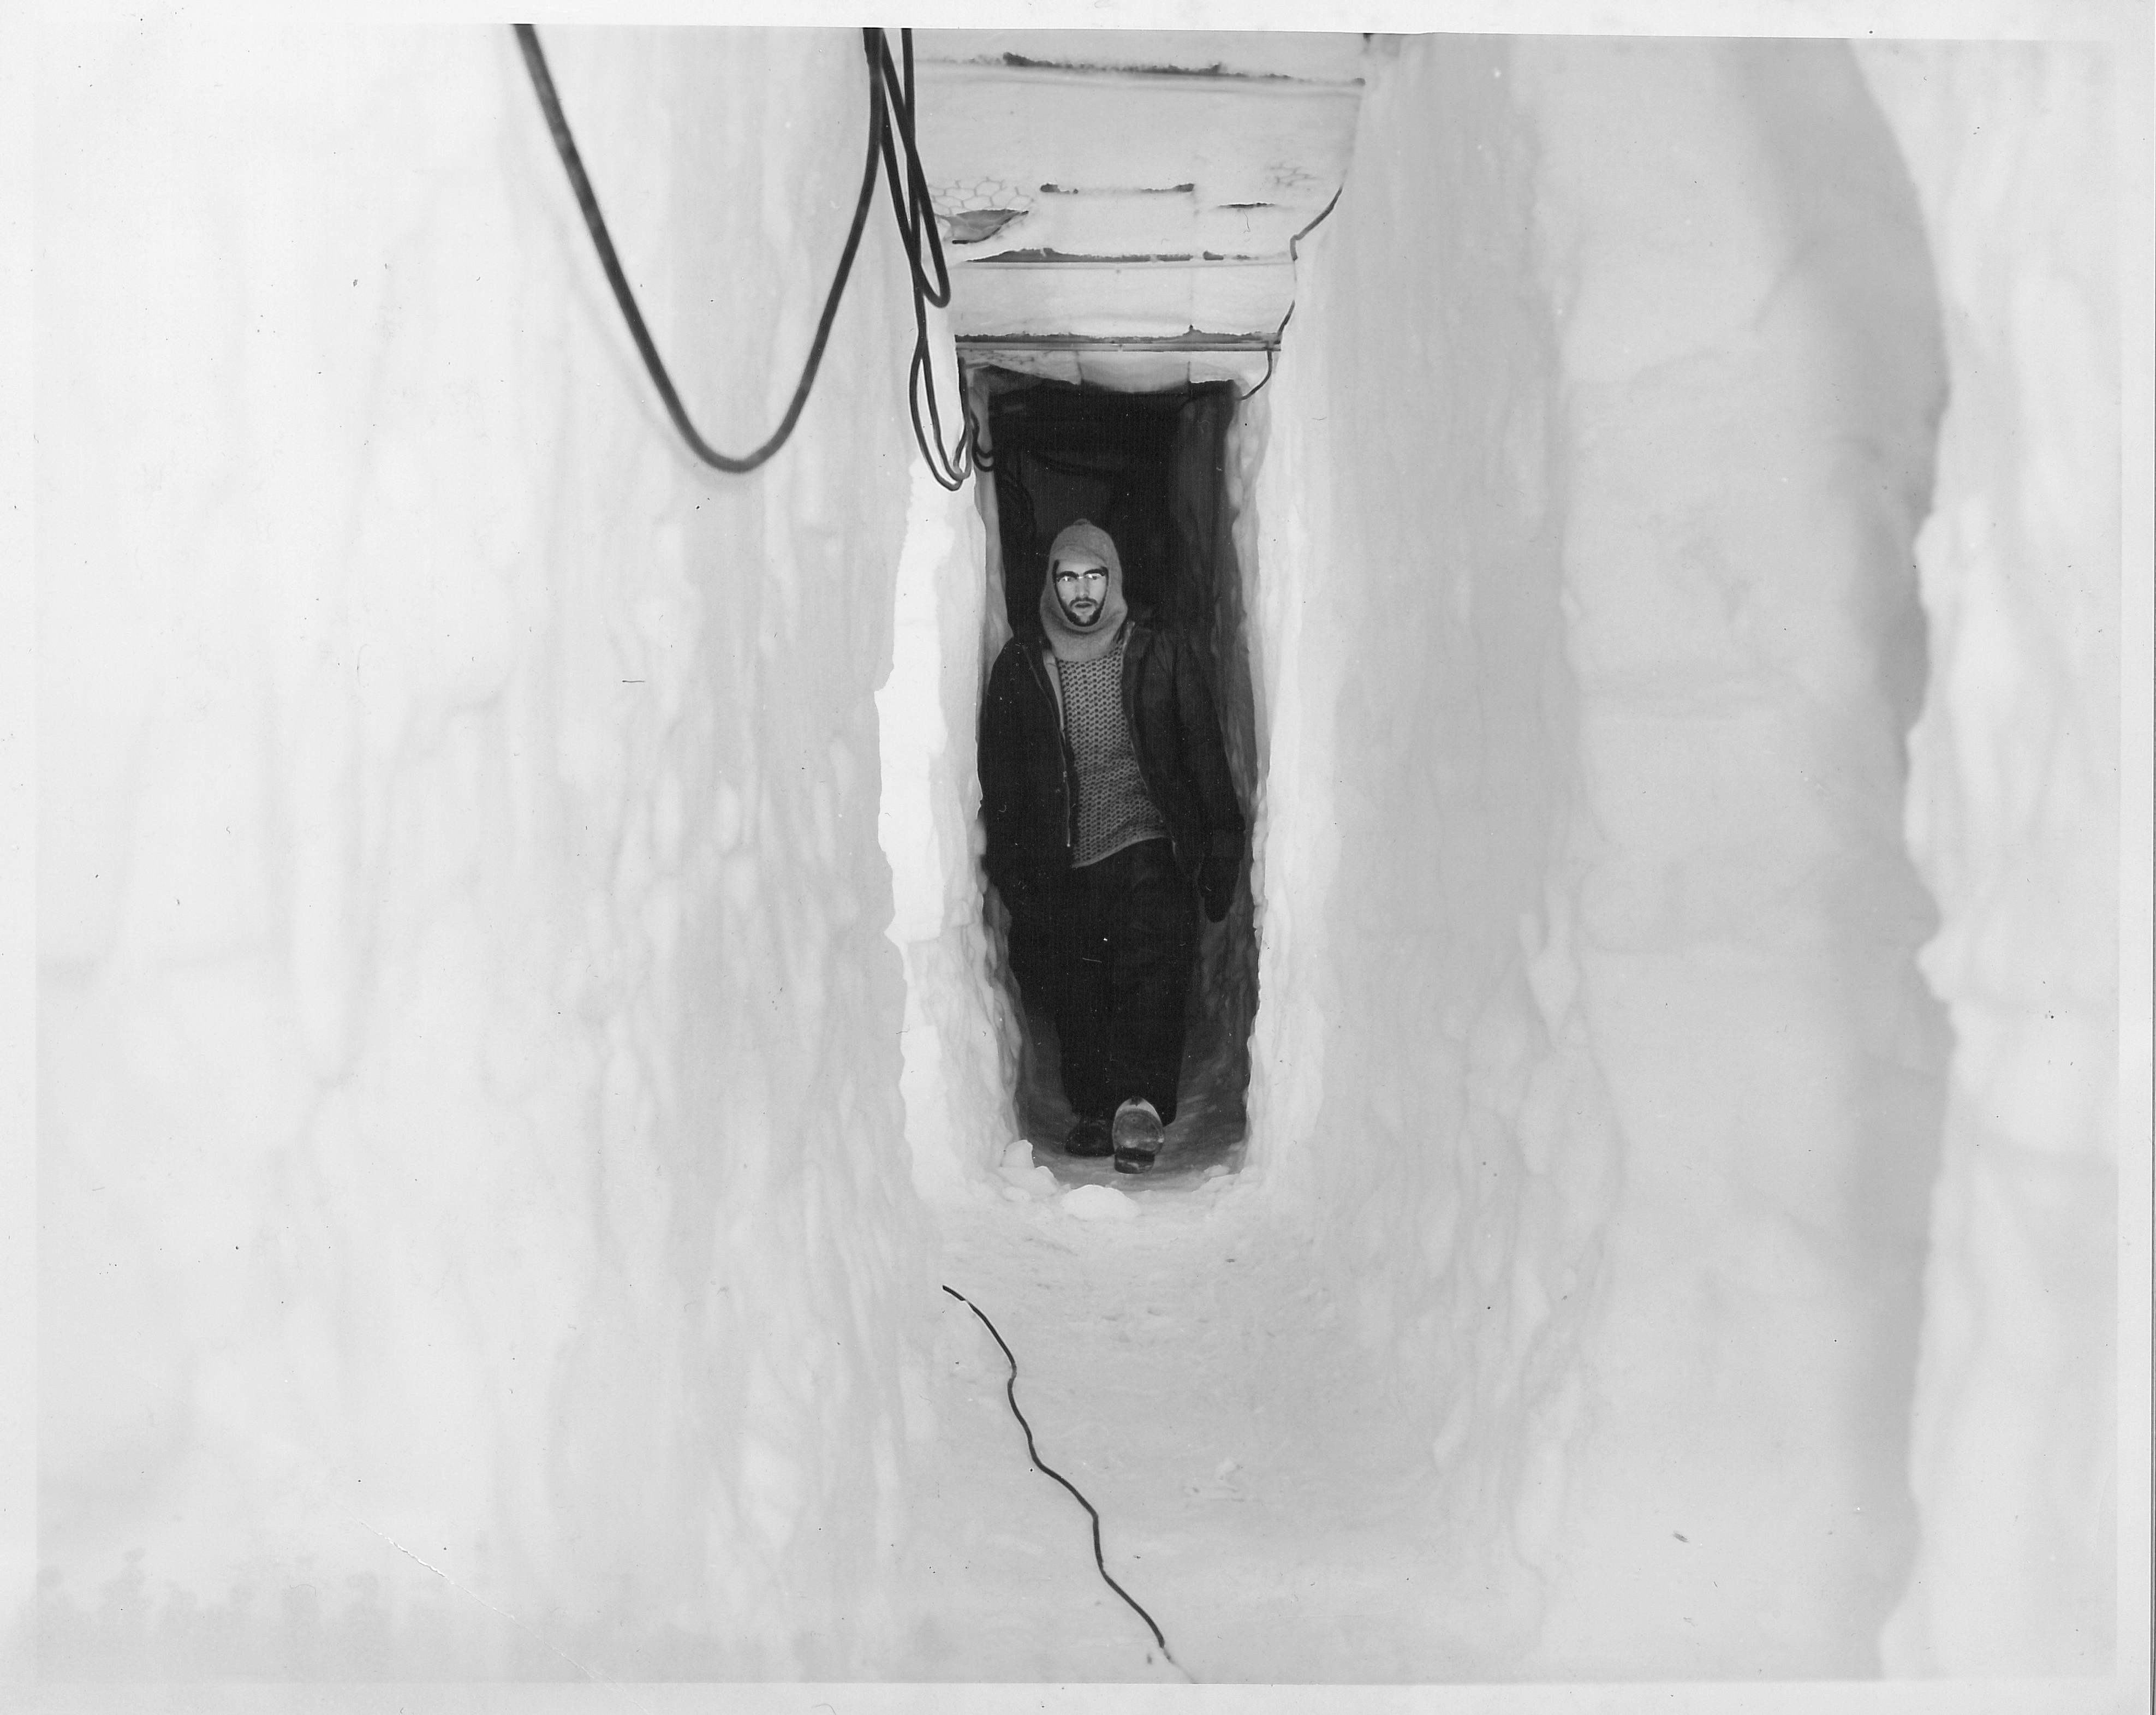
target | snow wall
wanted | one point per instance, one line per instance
(518, 816)
(1593, 1032)
(472, 1159)
(2014, 818)
(961, 1033)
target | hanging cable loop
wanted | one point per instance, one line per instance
(911, 200)
(892, 145)
(914, 206)
(565, 146)
(1294, 255)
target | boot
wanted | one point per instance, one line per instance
(1136, 1135)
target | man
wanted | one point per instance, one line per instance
(1105, 788)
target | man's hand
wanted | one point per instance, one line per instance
(1216, 876)
(1021, 898)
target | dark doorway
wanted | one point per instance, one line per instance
(1149, 468)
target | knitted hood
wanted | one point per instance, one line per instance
(1069, 642)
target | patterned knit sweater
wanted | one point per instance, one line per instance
(1114, 808)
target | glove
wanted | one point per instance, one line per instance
(1216, 876)
(1018, 897)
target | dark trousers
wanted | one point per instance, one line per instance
(1127, 932)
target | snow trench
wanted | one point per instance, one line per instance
(521, 1039)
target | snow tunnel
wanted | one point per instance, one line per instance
(530, 1099)
(1151, 466)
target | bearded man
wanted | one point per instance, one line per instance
(1108, 804)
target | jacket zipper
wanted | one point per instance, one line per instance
(1135, 649)
(1041, 670)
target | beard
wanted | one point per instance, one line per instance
(1082, 613)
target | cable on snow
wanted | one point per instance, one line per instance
(1010, 1392)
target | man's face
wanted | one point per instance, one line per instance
(1081, 586)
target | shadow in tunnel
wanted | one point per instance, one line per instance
(1150, 469)
(1207, 1132)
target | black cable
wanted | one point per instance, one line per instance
(1010, 1391)
(1294, 255)
(892, 135)
(914, 206)
(565, 145)
(911, 202)
(908, 197)
(1272, 351)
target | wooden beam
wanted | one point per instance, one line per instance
(1307, 56)
(990, 137)
(1099, 300)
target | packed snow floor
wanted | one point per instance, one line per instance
(1180, 1363)
(1255, 1485)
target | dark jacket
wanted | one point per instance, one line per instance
(1028, 776)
